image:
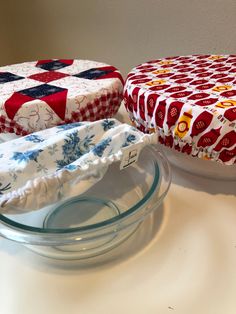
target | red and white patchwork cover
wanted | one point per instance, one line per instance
(190, 101)
(42, 94)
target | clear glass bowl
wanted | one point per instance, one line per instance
(101, 218)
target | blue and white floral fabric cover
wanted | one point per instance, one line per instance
(58, 163)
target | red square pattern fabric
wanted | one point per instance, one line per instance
(190, 101)
(48, 76)
(42, 94)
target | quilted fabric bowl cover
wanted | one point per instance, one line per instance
(190, 101)
(38, 95)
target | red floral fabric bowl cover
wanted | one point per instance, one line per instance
(38, 95)
(190, 101)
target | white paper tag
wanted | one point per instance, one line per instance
(130, 156)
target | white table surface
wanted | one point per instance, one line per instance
(182, 261)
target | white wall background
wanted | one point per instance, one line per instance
(123, 33)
